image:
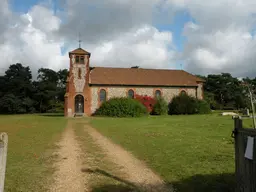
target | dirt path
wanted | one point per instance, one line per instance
(136, 171)
(68, 176)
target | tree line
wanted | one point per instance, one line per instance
(19, 93)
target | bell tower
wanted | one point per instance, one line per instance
(77, 97)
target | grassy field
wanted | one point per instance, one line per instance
(195, 153)
(31, 142)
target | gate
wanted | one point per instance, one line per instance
(245, 157)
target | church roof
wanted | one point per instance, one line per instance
(80, 51)
(142, 77)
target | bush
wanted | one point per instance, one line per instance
(121, 107)
(56, 107)
(160, 107)
(185, 104)
(147, 101)
(203, 107)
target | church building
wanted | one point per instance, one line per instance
(87, 87)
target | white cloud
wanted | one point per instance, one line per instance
(35, 39)
(99, 20)
(30, 42)
(208, 59)
(220, 40)
(145, 47)
(43, 19)
(121, 34)
(230, 50)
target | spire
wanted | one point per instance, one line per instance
(79, 40)
(181, 66)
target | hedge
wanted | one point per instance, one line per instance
(185, 104)
(121, 107)
(160, 107)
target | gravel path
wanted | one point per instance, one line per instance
(136, 171)
(69, 177)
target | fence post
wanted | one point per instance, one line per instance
(3, 158)
(238, 124)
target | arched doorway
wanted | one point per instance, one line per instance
(79, 104)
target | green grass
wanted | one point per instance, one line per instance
(30, 147)
(195, 153)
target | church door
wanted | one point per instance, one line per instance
(79, 104)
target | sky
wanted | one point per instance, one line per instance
(199, 36)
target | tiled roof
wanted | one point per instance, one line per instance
(80, 51)
(142, 77)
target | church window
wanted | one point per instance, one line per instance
(131, 93)
(77, 59)
(157, 93)
(82, 60)
(183, 92)
(103, 95)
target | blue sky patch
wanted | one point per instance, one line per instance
(176, 27)
(23, 6)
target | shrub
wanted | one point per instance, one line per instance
(183, 104)
(203, 107)
(147, 101)
(160, 107)
(121, 107)
(56, 108)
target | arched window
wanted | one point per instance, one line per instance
(131, 93)
(103, 95)
(183, 92)
(157, 93)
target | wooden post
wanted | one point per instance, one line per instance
(237, 125)
(245, 169)
(3, 158)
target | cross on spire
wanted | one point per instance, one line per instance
(79, 40)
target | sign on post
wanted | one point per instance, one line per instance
(3, 158)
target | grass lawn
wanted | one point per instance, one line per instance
(195, 153)
(31, 142)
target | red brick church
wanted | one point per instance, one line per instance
(87, 87)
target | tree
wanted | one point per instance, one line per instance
(226, 90)
(10, 104)
(16, 89)
(50, 88)
(61, 86)
(19, 94)
(18, 80)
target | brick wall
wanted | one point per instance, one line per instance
(167, 93)
(71, 91)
